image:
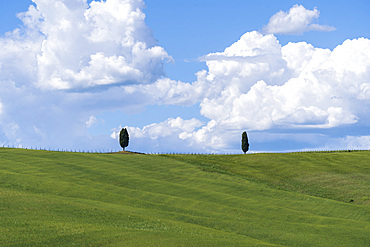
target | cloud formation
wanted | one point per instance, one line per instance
(172, 135)
(256, 84)
(294, 85)
(68, 62)
(348, 142)
(73, 61)
(71, 45)
(297, 21)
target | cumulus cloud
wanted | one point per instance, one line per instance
(70, 61)
(73, 60)
(73, 45)
(358, 142)
(297, 21)
(172, 135)
(256, 84)
(295, 85)
(349, 142)
(91, 121)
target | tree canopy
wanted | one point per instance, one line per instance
(245, 143)
(123, 138)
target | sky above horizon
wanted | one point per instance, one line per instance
(185, 76)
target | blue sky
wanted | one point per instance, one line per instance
(185, 76)
(191, 29)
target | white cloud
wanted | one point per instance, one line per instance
(71, 45)
(350, 143)
(297, 21)
(358, 142)
(256, 84)
(91, 50)
(106, 57)
(295, 85)
(173, 135)
(91, 121)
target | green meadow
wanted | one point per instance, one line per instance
(79, 199)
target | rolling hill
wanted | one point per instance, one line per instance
(79, 199)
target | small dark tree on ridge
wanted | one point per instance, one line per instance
(123, 138)
(245, 143)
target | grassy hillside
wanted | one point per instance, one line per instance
(342, 176)
(73, 199)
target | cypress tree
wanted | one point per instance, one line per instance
(123, 138)
(245, 143)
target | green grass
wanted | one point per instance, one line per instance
(342, 176)
(74, 199)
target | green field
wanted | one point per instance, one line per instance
(76, 199)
